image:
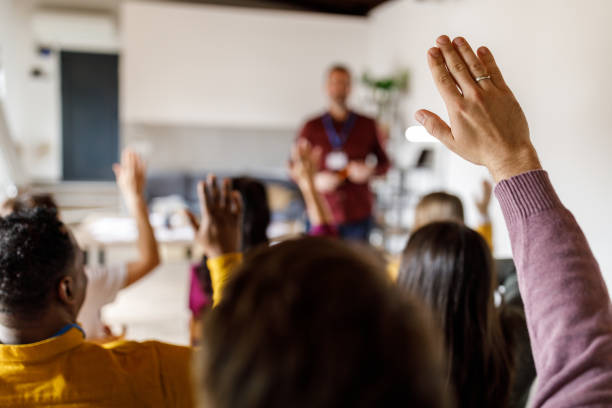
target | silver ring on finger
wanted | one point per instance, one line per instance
(480, 78)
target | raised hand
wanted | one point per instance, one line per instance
(131, 177)
(482, 203)
(303, 168)
(327, 181)
(219, 231)
(359, 172)
(304, 163)
(487, 125)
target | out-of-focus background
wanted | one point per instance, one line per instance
(224, 86)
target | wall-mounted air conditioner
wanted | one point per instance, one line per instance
(77, 30)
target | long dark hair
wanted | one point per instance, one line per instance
(450, 266)
(256, 217)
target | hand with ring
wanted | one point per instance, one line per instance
(487, 125)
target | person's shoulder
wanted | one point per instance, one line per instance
(129, 347)
(166, 366)
(314, 120)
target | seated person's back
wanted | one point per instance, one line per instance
(45, 360)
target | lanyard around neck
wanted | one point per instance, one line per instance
(335, 139)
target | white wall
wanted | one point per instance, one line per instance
(34, 104)
(556, 57)
(230, 66)
(208, 64)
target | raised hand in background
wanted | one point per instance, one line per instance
(131, 179)
(131, 175)
(303, 169)
(220, 230)
(483, 201)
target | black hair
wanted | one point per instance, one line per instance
(450, 266)
(256, 217)
(35, 253)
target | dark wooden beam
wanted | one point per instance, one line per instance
(346, 7)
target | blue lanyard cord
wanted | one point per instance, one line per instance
(67, 327)
(335, 139)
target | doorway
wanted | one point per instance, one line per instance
(90, 115)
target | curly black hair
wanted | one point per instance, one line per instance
(35, 252)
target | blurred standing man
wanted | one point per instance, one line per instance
(349, 143)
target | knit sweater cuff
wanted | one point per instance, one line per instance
(526, 194)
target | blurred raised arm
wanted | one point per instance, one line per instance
(303, 168)
(131, 179)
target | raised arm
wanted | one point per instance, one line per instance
(219, 231)
(131, 179)
(384, 164)
(303, 168)
(566, 301)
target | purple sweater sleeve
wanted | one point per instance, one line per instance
(566, 300)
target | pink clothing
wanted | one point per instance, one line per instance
(323, 230)
(198, 299)
(566, 300)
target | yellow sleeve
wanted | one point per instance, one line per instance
(486, 230)
(221, 269)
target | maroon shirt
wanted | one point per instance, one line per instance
(350, 202)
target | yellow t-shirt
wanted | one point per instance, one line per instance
(67, 371)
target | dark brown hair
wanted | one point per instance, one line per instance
(314, 323)
(256, 218)
(451, 268)
(339, 68)
(28, 201)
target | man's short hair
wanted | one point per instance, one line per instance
(35, 252)
(315, 323)
(339, 68)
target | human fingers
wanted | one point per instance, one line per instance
(204, 199)
(436, 127)
(226, 194)
(139, 167)
(193, 221)
(315, 157)
(212, 191)
(237, 203)
(487, 59)
(117, 170)
(124, 156)
(455, 64)
(442, 78)
(475, 66)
